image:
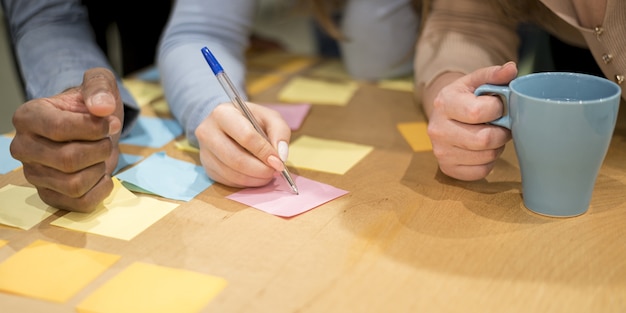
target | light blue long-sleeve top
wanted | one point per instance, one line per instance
(381, 38)
(54, 45)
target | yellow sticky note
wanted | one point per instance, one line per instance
(280, 62)
(143, 92)
(324, 155)
(123, 215)
(21, 207)
(160, 106)
(118, 194)
(184, 145)
(296, 64)
(331, 70)
(315, 91)
(52, 272)
(151, 288)
(256, 85)
(3, 243)
(122, 220)
(406, 84)
(416, 135)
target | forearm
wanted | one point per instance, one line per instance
(191, 89)
(54, 46)
(462, 36)
(52, 66)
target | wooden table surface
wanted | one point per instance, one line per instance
(406, 238)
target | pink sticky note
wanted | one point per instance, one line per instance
(293, 114)
(276, 197)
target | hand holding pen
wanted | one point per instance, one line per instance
(257, 147)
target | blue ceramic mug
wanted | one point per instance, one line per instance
(562, 124)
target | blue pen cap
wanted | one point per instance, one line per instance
(208, 56)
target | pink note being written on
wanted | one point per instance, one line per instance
(293, 114)
(276, 197)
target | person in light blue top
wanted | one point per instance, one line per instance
(67, 133)
(379, 42)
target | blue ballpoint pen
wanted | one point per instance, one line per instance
(237, 100)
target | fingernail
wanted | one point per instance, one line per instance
(102, 99)
(115, 127)
(283, 150)
(507, 64)
(276, 163)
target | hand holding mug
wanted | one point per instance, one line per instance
(465, 145)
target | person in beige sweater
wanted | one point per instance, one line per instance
(467, 43)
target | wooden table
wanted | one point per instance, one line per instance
(406, 238)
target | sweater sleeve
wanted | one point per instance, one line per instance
(463, 36)
(191, 89)
(54, 46)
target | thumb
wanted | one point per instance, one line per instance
(496, 75)
(99, 89)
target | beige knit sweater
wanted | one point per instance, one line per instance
(464, 35)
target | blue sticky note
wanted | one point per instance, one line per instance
(167, 177)
(125, 160)
(150, 74)
(7, 162)
(153, 132)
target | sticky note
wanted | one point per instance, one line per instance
(150, 74)
(160, 106)
(280, 62)
(400, 84)
(52, 272)
(316, 91)
(143, 287)
(123, 215)
(153, 132)
(333, 69)
(416, 134)
(125, 160)
(167, 177)
(185, 145)
(293, 114)
(7, 162)
(331, 156)
(21, 207)
(277, 199)
(144, 92)
(256, 85)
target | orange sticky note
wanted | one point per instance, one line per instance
(52, 272)
(416, 135)
(152, 288)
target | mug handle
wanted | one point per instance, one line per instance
(504, 91)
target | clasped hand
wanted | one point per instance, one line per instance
(68, 143)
